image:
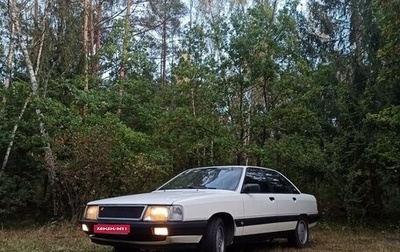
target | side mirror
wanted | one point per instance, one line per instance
(251, 188)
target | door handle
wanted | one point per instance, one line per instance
(294, 198)
(271, 198)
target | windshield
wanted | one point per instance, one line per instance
(226, 178)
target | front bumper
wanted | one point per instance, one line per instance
(142, 234)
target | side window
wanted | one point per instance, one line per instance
(259, 177)
(280, 184)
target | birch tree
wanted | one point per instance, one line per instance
(7, 82)
(125, 40)
(15, 9)
(86, 46)
(9, 63)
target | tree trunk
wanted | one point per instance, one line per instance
(163, 65)
(85, 45)
(164, 53)
(97, 38)
(12, 138)
(122, 71)
(49, 157)
(10, 59)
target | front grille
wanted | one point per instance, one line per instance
(121, 212)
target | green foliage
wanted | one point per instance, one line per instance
(102, 157)
(135, 56)
(15, 195)
(389, 51)
(315, 96)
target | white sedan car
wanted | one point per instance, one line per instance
(208, 208)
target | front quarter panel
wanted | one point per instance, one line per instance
(205, 207)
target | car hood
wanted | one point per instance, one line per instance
(166, 197)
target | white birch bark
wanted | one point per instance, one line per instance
(10, 59)
(49, 156)
(11, 143)
(124, 56)
(7, 83)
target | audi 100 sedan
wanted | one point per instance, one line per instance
(207, 208)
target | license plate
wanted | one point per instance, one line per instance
(111, 229)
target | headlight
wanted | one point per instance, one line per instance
(92, 212)
(163, 213)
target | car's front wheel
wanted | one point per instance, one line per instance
(300, 236)
(214, 237)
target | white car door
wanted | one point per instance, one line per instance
(260, 205)
(287, 199)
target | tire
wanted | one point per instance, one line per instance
(300, 235)
(214, 238)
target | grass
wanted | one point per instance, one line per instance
(69, 238)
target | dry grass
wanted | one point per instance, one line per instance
(66, 237)
(49, 238)
(339, 239)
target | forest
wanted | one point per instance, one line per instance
(101, 98)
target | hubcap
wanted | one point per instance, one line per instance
(220, 240)
(302, 232)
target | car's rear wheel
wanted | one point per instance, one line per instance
(300, 236)
(214, 237)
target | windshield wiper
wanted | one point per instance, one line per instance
(187, 187)
(200, 187)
